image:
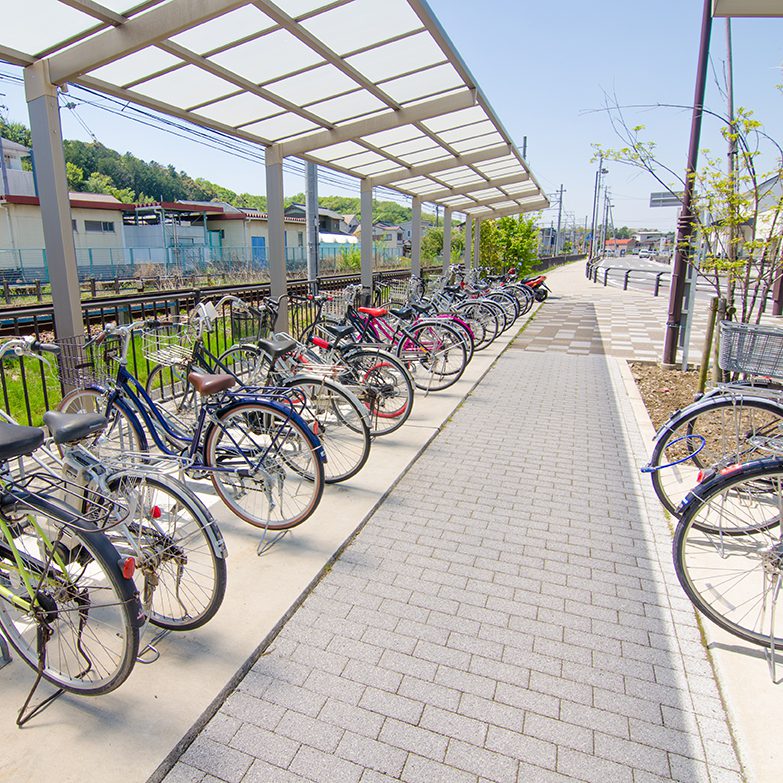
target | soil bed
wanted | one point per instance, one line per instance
(664, 391)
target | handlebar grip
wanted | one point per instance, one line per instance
(45, 347)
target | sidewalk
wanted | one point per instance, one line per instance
(510, 611)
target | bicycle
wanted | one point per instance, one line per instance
(177, 547)
(264, 462)
(330, 410)
(68, 603)
(736, 422)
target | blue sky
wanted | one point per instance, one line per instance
(545, 68)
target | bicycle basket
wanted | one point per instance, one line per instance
(82, 364)
(341, 301)
(751, 349)
(169, 344)
(250, 326)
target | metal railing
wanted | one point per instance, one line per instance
(594, 270)
(28, 388)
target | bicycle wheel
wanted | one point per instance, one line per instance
(122, 436)
(713, 432)
(500, 314)
(264, 466)
(179, 551)
(476, 312)
(462, 328)
(381, 382)
(508, 303)
(83, 617)
(340, 422)
(171, 390)
(435, 354)
(728, 551)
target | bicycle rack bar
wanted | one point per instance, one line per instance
(606, 275)
(625, 282)
(658, 282)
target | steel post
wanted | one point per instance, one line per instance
(416, 238)
(365, 240)
(477, 244)
(446, 239)
(682, 248)
(276, 231)
(311, 218)
(47, 137)
(466, 251)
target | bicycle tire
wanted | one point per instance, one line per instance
(91, 608)
(339, 420)
(735, 429)
(181, 565)
(383, 385)
(427, 355)
(734, 580)
(264, 431)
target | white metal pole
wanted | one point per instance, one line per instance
(466, 252)
(47, 136)
(311, 218)
(416, 238)
(477, 244)
(365, 240)
(446, 239)
(276, 230)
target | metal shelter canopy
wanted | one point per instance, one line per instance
(371, 89)
(747, 8)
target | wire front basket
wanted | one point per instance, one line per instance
(751, 349)
(250, 325)
(169, 344)
(84, 363)
(341, 301)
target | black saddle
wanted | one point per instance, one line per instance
(277, 345)
(405, 313)
(339, 330)
(16, 440)
(70, 427)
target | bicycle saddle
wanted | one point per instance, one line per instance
(339, 330)
(376, 312)
(207, 385)
(276, 345)
(70, 427)
(406, 313)
(421, 307)
(16, 440)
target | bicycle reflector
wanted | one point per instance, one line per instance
(729, 469)
(155, 512)
(127, 566)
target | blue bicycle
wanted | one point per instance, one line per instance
(264, 462)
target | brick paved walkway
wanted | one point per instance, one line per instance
(508, 614)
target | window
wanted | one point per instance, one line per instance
(74, 226)
(300, 237)
(99, 226)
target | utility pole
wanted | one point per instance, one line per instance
(524, 148)
(559, 217)
(682, 248)
(596, 206)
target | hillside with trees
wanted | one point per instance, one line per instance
(92, 167)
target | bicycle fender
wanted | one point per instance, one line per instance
(315, 441)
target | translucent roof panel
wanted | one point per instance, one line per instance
(362, 23)
(373, 89)
(225, 30)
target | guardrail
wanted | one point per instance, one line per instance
(592, 271)
(28, 387)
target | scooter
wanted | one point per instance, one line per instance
(539, 288)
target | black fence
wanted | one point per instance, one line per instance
(29, 387)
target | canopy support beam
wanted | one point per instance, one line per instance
(275, 227)
(446, 239)
(477, 244)
(155, 25)
(365, 240)
(443, 164)
(466, 190)
(381, 122)
(52, 185)
(311, 218)
(466, 250)
(416, 238)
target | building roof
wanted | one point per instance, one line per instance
(321, 80)
(12, 146)
(76, 201)
(619, 242)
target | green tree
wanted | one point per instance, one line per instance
(101, 183)
(432, 244)
(75, 176)
(509, 241)
(737, 216)
(14, 131)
